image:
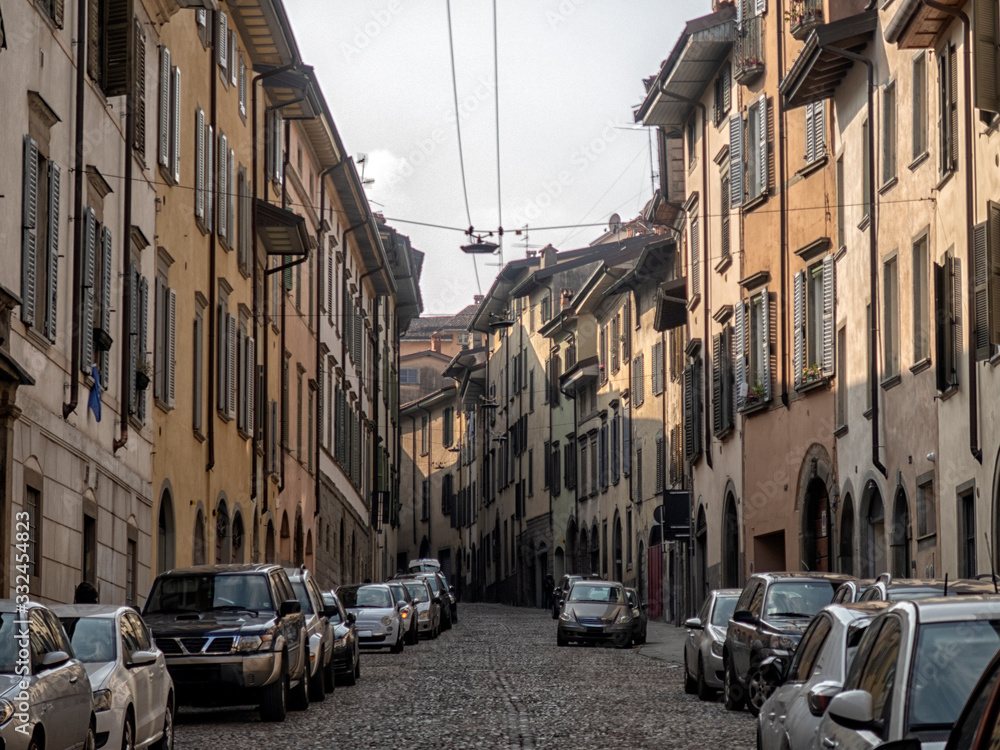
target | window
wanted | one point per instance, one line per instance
(425, 438)
(638, 381)
(169, 133)
(919, 127)
(40, 241)
(926, 506)
(723, 93)
(753, 351)
(813, 292)
(947, 110)
(888, 133)
(967, 567)
(842, 379)
(948, 319)
(107, 45)
(841, 221)
(756, 143)
(448, 428)
(921, 325)
(890, 317)
(815, 127)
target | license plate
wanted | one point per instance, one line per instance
(365, 634)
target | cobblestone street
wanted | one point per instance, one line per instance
(496, 680)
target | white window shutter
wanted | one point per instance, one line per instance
(199, 164)
(171, 347)
(222, 38)
(736, 187)
(798, 360)
(165, 122)
(740, 371)
(251, 379)
(231, 369)
(106, 276)
(176, 112)
(29, 232)
(209, 179)
(829, 314)
(222, 213)
(89, 253)
(52, 293)
(762, 144)
(765, 342)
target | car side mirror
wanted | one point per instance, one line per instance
(54, 658)
(745, 616)
(852, 709)
(289, 607)
(693, 623)
(352, 618)
(773, 670)
(142, 658)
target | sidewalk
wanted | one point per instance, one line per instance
(664, 642)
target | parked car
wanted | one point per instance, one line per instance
(703, 645)
(889, 589)
(57, 698)
(639, 618)
(133, 692)
(428, 606)
(561, 590)
(424, 565)
(912, 674)
(440, 588)
(771, 614)
(978, 726)
(346, 653)
(804, 687)
(594, 612)
(232, 635)
(319, 632)
(379, 621)
(851, 591)
(408, 611)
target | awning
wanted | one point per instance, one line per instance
(281, 231)
(918, 26)
(671, 305)
(817, 72)
(703, 47)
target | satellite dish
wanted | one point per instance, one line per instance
(615, 223)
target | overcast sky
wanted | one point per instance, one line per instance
(570, 71)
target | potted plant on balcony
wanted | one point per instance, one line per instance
(811, 374)
(143, 374)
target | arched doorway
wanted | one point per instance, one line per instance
(616, 548)
(847, 536)
(237, 538)
(701, 556)
(285, 542)
(165, 536)
(583, 558)
(900, 536)
(730, 544)
(873, 533)
(269, 542)
(815, 527)
(223, 551)
(198, 545)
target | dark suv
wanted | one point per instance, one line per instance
(232, 635)
(771, 615)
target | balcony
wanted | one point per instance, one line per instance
(748, 52)
(804, 16)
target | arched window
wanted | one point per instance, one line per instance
(165, 536)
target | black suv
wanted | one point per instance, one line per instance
(771, 615)
(232, 635)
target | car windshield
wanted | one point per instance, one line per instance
(948, 661)
(299, 587)
(201, 593)
(723, 612)
(798, 598)
(93, 638)
(417, 591)
(585, 592)
(365, 596)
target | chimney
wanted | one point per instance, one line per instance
(566, 297)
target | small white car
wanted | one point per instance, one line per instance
(133, 691)
(379, 619)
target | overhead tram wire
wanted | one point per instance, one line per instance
(458, 128)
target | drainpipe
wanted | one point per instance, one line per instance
(125, 348)
(78, 167)
(872, 250)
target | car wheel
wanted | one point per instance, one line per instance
(758, 689)
(705, 693)
(689, 684)
(128, 734)
(274, 701)
(166, 741)
(317, 685)
(732, 690)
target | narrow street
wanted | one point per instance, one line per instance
(497, 680)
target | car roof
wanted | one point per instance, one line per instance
(228, 568)
(89, 610)
(951, 608)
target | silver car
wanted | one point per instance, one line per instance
(48, 694)
(133, 692)
(319, 632)
(703, 645)
(428, 606)
(912, 673)
(378, 617)
(789, 718)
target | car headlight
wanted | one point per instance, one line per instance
(717, 648)
(6, 710)
(623, 619)
(340, 642)
(784, 642)
(251, 643)
(387, 621)
(102, 700)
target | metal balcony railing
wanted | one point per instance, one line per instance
(749, 49)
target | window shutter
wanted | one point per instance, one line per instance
(736, 159)
(172, 347)
(222, 38)
(689, 418)
(231, 366)
(222, 212)
(765, 341)
(176, 112)
(209, 179)
(199, 164)
(810, 140)
(29, 231)
(52, 292)
(89, 253)
(139, 87)
(243, 87)
(953, 105)
(829, 315)
(740, 377)
(798, 356)
(106, 255)
(233, 65)
(762, 142)
(141, 354)
(717, 405)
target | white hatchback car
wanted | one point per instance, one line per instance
(912, 673)
(133, 691)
